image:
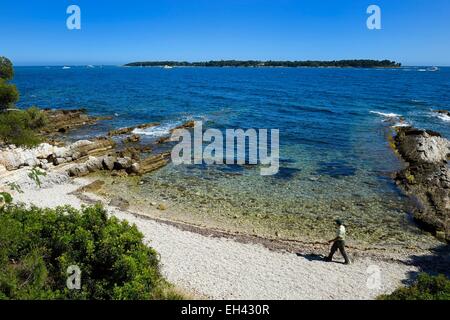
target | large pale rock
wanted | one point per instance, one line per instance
(135, 168)
(426, 177)
(58, 161)
(80, 144)
(44, 150)
(13, 159)
(420, 146)
(78, 170)
(108, 162)
(123, 163)
(94, 164)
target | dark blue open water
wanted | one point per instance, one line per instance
(335, 155)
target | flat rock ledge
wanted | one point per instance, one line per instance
(81, 158)
(426, 178)
(86, 156)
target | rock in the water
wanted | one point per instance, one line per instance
(132, 138)
(122, 131)
(153, 163)
(444, 112)
(421, 146)
(65, 120)
(427, 177)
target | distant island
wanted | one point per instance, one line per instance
(270, 63)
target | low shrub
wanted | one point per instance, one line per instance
(15, 129)
(37, 118)
(427, 287)
(20, 127)
(8, 95)
(37, 246)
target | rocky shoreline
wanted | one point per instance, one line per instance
(118, 152)
(426, 177)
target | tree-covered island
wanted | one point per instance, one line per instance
(256, 63)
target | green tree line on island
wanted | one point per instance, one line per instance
(361, 63)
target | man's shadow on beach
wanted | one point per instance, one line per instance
(315, 257)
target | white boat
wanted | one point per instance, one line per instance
(66, 67)
(433, 69)
(167, 67)
(90, 66)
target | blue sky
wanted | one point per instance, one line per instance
(33, 32)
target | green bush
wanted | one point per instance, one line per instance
(38, 245)
(427, 287)
(37, 118)
(8, 95)
(15, 128)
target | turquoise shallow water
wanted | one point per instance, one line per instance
(335, 159)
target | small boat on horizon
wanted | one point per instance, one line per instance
(65, 67)
(167, 67)
(433, 69)
(90, 66)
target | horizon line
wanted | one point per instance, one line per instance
(124, 65)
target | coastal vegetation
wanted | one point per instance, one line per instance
(18, 127)
(38, 247)
(257, 63)
(427, 287)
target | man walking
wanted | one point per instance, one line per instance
(338, 243)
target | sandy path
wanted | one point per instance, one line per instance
(225, 269)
